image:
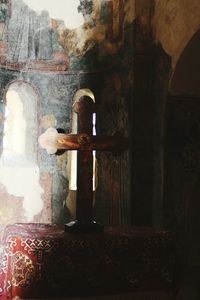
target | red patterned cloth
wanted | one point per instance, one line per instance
(41, 260)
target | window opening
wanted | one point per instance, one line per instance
(73, 153)
(19, 170)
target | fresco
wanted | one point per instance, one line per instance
(37, 36)
(59, 51)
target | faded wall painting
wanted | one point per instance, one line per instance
(48, 51)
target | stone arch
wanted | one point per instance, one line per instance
(79, 93)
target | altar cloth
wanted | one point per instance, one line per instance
(43, 261)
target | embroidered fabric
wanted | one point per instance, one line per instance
(41, 260)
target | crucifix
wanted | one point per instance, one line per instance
(85, 142)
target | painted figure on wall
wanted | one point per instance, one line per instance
(27, 35)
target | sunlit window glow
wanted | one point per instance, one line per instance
(15, 125)
(19, 171)
(94, 152)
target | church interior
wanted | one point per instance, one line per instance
(99, 128)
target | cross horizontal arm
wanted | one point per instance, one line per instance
(87, 142)
(52, 141)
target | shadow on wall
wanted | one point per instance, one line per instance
(185, 79)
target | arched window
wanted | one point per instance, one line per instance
(19, 171)
(72, 157)
(73, 154)
(20, 127)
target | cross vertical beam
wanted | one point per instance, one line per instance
(84, 108)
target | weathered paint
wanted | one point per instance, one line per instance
(107, 34)
(78, 58)
(129, 12)
(23, 181)
(48, 121)
(174, 24)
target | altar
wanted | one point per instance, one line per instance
(43, 261)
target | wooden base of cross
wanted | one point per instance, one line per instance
(80, 227)
(85, 142)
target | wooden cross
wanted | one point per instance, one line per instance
(85, 142)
